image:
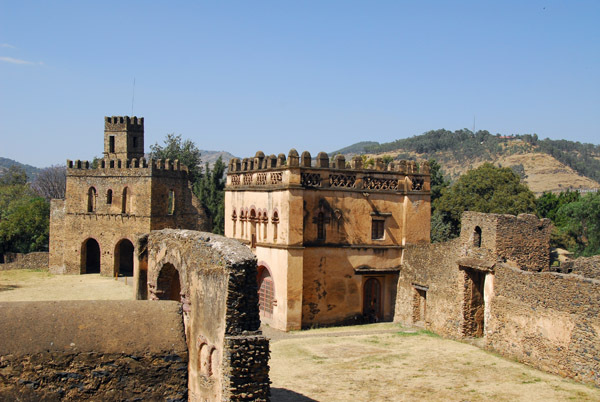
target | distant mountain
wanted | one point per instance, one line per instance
(31, 171)
(545, 165)
(358, 148)
(212, 156)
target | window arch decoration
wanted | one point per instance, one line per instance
(477, 237)
(91, 201)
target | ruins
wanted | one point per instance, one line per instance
(329, 235)
(109, 201)
(495, 282)
(208, 348)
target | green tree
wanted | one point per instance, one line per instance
(210, 189)
(438, 181)
(485, 189)
(185, 150)
(14, 175)
(24, 226)
(579, 225)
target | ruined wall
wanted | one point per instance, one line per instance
(217, 285)
(35, 260)
(549, 320)
(92, 350)
(588, 267)
(463, 288)
(431, 269)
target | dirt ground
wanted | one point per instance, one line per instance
(378, 362)
(22, 285)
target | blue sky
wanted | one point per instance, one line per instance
(312, 75)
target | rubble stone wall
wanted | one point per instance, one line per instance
(92, 350)
(218, 289)
(36, 260)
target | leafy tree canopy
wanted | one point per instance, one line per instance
(210, 189)
(580, 220)
(185, 150)
(485, 189)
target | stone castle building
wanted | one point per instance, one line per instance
(329, 236)
(110, 201)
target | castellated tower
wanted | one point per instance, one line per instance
(123, 137)
(106, 205)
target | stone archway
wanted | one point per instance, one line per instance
(90, 257)
(124, 258)
(168, 285)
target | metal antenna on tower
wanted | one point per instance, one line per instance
(133, 96)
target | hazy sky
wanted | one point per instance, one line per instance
(312, 75)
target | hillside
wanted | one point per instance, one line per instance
(545, 165)
(212, 156)
(5, 163)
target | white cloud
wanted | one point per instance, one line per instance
(6, 45)
(15, 61)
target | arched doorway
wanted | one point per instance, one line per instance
(124, 258)
(266, 292)
(90, 257)
(168, 285)
(372, 300)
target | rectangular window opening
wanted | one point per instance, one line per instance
(111, 144)
(377, 229)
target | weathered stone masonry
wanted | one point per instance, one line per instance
(93, 229)
(495, 282)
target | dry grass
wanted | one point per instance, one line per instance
(32, 285)
(406, 367)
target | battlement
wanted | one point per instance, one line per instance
(120, 164)
(274, 170)
(123, 123)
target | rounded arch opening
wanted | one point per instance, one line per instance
(90, 257)
(477, 237)
(266, 292)
(91, 200)
(168, 286)
(124, 258)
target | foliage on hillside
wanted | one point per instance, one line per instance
(6, 163)
(465, 145)
(357, 148)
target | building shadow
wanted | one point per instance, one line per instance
(285, 395)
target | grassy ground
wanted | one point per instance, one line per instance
(377, 362)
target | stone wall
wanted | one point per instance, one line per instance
(588, 267)
(92, 350)
(486, 284)
(215, 279)
(36, 260)
(549, 320)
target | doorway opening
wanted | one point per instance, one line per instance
(90, 257)
(473, 303)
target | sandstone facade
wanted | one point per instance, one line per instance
(106, 205)
(494, 282)
(329, 236)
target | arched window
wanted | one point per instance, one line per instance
(91, 207)
(253, 228)
(109, 197)
(125, 201)
(234, 219)
(477, 237)
(275, 221)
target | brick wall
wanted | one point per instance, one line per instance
(36, 260)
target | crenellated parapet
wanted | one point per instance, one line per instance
(124, 166)
(323, 172)
(123, 123)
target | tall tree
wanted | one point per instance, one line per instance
(210, 189)
(485, 189)
(51, 182)
(578, 224)
(185, 150)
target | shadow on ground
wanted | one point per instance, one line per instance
(4, 288)
(285, 395)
